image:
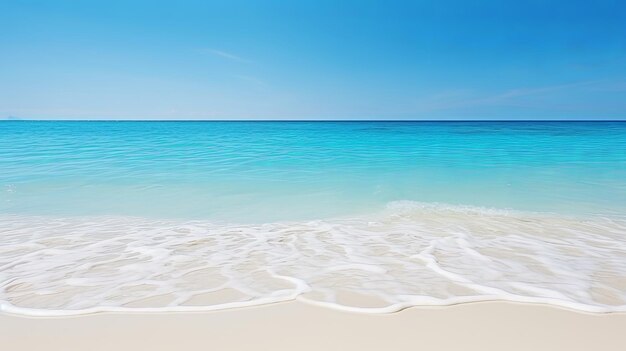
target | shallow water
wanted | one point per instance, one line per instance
(204, 215)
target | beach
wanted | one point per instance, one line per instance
(299, 326)
(312, 235)
(313, 175)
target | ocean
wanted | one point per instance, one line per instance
(157, 216)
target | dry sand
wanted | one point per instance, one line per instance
(298, 326)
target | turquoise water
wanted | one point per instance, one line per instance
(269, 171)
(188, 216)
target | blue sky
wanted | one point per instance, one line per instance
(313, 59)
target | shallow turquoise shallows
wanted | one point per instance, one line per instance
(273, 171)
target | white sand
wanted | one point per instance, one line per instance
(298, 326)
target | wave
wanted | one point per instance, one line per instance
(410, 254)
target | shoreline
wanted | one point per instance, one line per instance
(414, 255)
(297, 325)
(38, 313)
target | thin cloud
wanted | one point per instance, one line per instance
(457, 99)
(514, 94)
(532, 91)
(227, 55)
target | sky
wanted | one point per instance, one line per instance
(313, 59)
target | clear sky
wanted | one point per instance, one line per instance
(313, 59)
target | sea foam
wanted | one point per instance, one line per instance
(407, 255)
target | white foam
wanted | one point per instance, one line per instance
(410, 254)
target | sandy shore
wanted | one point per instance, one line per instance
(298, 326)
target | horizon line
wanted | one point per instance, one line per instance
(308, 120)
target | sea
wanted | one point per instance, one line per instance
(364, 216)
